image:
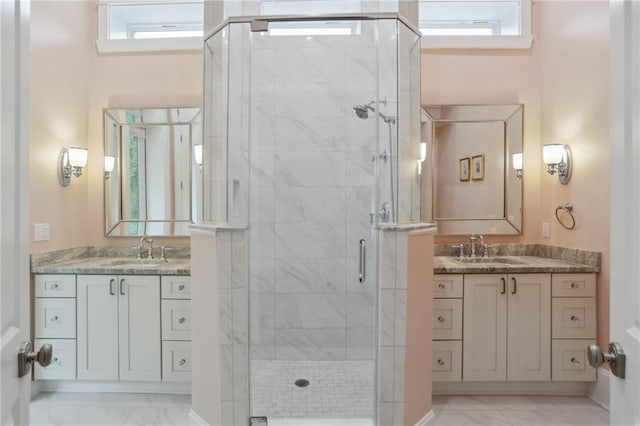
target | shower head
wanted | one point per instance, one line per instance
(362, 111)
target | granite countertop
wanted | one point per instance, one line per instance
(110, 260)
(508, 264)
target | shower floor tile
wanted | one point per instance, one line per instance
(337, 389)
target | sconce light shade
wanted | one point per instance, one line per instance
(517, 163)
(557, 157)
(197, 153)
(109, 164)
(70, 162)
(552, 153)
(423, 151)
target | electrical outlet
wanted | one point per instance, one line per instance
(41, 232)
(546, 229)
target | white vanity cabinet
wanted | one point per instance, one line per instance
(119, 327)
(176, 328)
(506, 326)
(55, 323)
(515, 327)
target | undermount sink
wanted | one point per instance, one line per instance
(137, 262)
(482, 260)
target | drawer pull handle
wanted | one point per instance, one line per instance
(181, 287)
(441, 286)
(574, 285)
(574, 318)
(122, 287)
(504, 286)
(112, 292)
(440, 361)
(574, 361)
(440, 319)
(183, 361)
(181, 320)
(515, 286)
(55, 319)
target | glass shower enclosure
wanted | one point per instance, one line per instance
(311, 143)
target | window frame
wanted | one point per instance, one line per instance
(106, 45)
(522, 41)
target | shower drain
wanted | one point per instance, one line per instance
(301, 383)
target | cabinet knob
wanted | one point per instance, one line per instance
(181, 287)
(440, 361)
(440, 319)
(55, 318)
(181, 320)
(574, 318)
(574, 285)
(574, 360)
(54, 286)
(183, 361)
(441, 286)
(55, 361)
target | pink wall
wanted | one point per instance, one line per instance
(70, 85)
(563, 81)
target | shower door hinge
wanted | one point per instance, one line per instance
(257, 421)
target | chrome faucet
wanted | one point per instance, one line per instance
(474, 238)
(149, 241)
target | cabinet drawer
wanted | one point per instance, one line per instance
(176, 320)
(569, 361)
(63, 361)
(55, 318)
(447, 361)
(176, 361)
(55, 286)
(573, 318)
(176, 287)
(447, 285)
(573, 285)
(447, 319)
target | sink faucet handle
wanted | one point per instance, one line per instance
(460, 247)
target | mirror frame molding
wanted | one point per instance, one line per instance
(497, 226)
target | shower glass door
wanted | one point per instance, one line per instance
(313, 209)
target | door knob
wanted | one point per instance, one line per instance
(616, 358)
(26, 357)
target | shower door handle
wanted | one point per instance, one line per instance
(363, 260)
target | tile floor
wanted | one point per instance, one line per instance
(106, 409)
(65, 408)
(517, 410)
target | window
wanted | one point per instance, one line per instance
(464, 24)
(141, 25)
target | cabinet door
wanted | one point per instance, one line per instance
(484, 350)
(529, 327)
(97, 327)
(139, 320)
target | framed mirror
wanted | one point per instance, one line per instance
(152, 179)
(474, 187)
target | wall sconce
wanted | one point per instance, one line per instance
(517, 164)
(197, 153)
(557, 157)
(423, 156)
(109, 163)
(71, 162)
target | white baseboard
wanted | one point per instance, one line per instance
(113, 386)
(599, 392)
(426, 419)
(196, 420)
(511, 388)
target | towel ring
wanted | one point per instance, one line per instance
(569, 209)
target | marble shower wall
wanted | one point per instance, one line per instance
(311, 191)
